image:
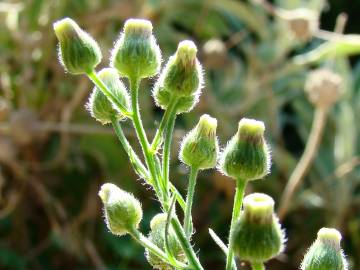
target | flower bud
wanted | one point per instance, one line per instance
(246, 155)
(325, 253)
(136, 53)
(181, 79)
(303, 23)
(99, 106)
(157, 236)
(199, 148)
(78, 51)
(258, 236)
(122, 211)
(323, 87)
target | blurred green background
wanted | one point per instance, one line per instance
(54, 156)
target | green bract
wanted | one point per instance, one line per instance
(122, 211)
(325, 253)
(258, 236)
(136, 53)
(99, 105)
(78, 51)
(246, 156)
(199, 148)
(181, 79)
(157, 236)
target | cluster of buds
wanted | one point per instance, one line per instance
(255, 233)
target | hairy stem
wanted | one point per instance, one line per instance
(171, 110)
(134, 159)
(306, 159)
(149, 158)
(166, 153)
(188, 227)
(186, 246)
(239, 195)
(258, 266)
(101, 85)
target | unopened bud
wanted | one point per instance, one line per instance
(323, 87)
(78, 51)
(99, 106)
(246, 155)
(199, 148)
(325, 253)
(123, 212)
(136, 53)
(258, 236)
(181, 79)
(157, 236)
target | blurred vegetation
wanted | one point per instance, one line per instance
(53, 156)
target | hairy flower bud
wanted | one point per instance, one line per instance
(199, 148)
(325, 253)
(157, 236)
(323, 87)
(78, 51)
(99, 106)
(122, 211)
(246, 155)
(136, 53)
(181, 79)
(258, 236)
(303, 23)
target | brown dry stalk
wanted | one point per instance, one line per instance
(305, 161)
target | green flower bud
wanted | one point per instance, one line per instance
(325, 253)
(181, 79)
(99, 106)
(199, 148)
(157, 236)
(78, 51)
(246, 156)
(122, 211)
(136, 53)
(258, 236)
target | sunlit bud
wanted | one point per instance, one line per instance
(122, 211)
(99, 106)
(199, 148)
(325, 253)
(258, 236)
(136, 53)
(246, 155)
(78, 51)
(181, 79)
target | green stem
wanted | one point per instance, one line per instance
(100, 85)
(163, 124)
(149, 158)
(188, 228)
(166, 153)
(239, 195)
(146, 243)
(134, 159)
(185, 244)
(257, 266)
